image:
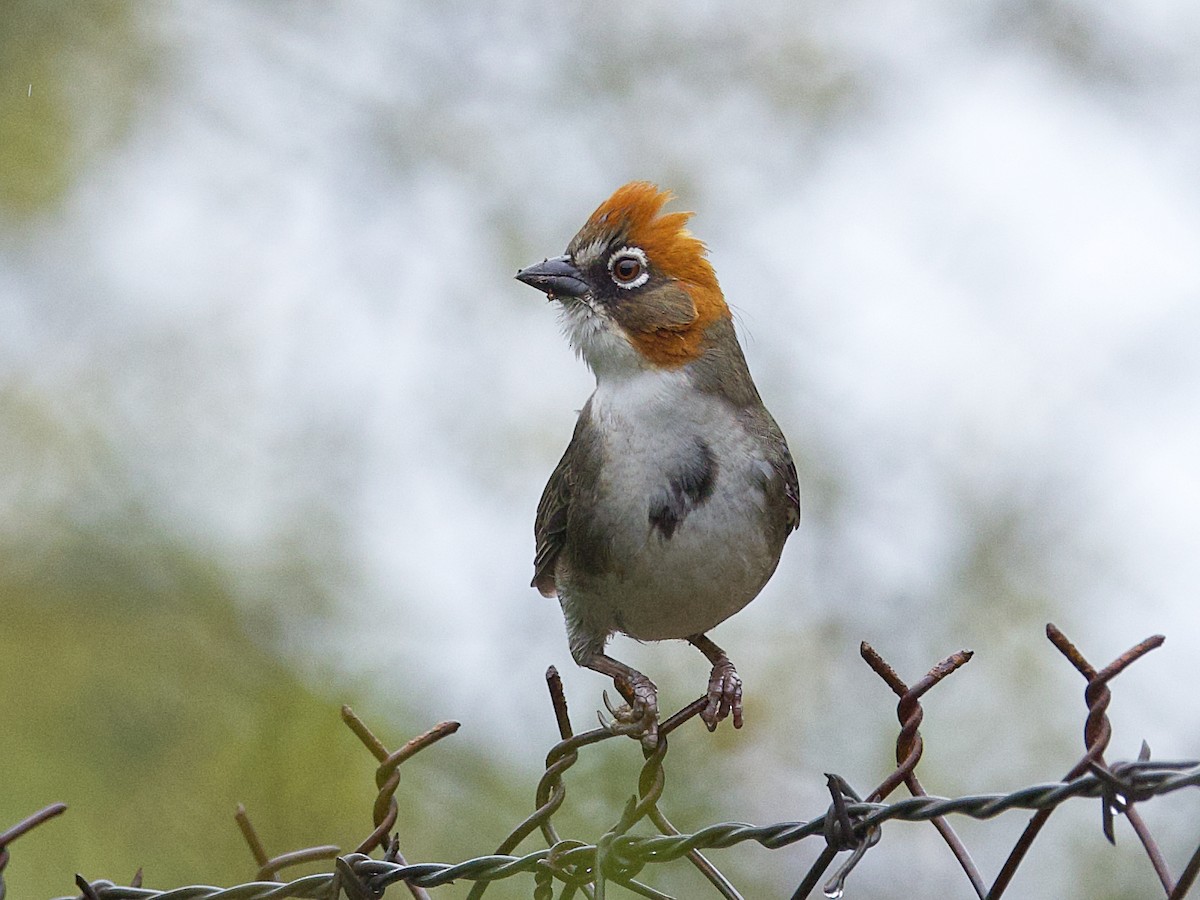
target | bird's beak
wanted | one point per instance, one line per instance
(557, 277)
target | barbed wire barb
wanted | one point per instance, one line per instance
(909, 747)
(622, 852)
(26, 825)
(270, 866)
(386, 809)
(1097, 732)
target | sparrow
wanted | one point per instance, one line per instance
(671, 505)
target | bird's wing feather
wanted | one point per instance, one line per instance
(786, 469)
(550, 525)
(781, 462)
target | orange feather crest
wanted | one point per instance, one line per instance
(636, 209)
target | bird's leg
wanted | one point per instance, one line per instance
(724, 685)
(638, 690)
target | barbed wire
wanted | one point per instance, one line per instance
(851, 824)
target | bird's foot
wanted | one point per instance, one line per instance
(724, 695)
(638, 716)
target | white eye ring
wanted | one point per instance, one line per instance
(643, 268)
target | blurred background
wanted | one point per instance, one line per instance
(275, 416)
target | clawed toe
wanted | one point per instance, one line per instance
(638, 716)
(724, 696)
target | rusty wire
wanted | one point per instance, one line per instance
(849, 824)
(25, 826)
(270, 866)
(630, 852)
(1097, 731)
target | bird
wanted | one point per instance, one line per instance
(671, 505)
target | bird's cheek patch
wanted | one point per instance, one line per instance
(661, 324)
(668, 306)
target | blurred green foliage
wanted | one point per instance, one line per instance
(134, 691)
(71, 76)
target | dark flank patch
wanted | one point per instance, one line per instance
(688, 488)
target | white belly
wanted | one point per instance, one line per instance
(718, 557)
(709, 569)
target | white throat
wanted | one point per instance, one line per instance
(600, 341)
(657, 400)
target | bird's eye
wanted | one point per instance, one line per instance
(629, 267)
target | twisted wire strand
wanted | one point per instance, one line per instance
(850, 823)
(630, 852)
